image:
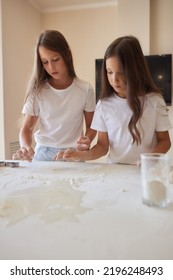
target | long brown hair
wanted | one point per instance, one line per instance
(138, 78)
(55, 41)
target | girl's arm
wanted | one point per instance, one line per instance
(84, 141)
(163, 142)
(97, 151)
(26, 151)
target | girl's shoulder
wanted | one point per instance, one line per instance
(106, 102)
(154, 97)
(36, 95)
(154, 100)
(113, 99)
(81, 83)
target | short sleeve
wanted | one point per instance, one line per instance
(162, 120)
(31, 106)
(90, 100)
(98, 122)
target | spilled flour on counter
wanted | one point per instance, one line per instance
(56, 202)
(56, 193)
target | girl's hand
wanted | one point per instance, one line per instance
(83, 143)
(72, 155)
(25, 153)
(59, 155)
(69, 155)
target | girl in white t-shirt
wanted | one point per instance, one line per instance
(57, 100)
(131, 116)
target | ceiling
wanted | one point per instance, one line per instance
(55, 5)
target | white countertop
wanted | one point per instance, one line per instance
(78, 210)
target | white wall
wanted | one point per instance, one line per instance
(134, 19)
(21, 25)
(2, 146)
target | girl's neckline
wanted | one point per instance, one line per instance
(62, 86)
(121, 97)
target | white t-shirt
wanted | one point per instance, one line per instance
(60, 113)
(113, 114)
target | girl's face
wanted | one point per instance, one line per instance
(116, 76)
(53, 63)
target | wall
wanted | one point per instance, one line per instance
(21, 24)
(134, 19)
(2, 145)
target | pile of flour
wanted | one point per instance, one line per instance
(156, 191)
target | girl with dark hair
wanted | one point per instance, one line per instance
(131, 116)
(58, 100)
